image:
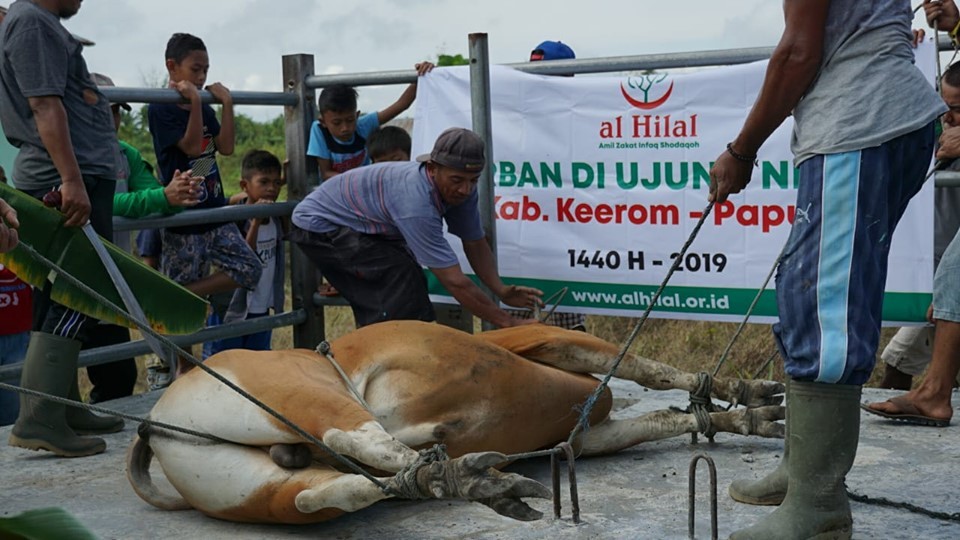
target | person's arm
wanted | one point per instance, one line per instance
(191, 143)
(406, 98)
(145, 194)
(226, 140)
(472, 298)
(253, 229)
(791, 70)
(481, 260)
(949, 143)
(51, 119)
(8, 227)
(326, 169)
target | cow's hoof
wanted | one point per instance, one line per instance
(760, 421)
(512, 508)
(750, 393)
(291, 456)
(473, 477)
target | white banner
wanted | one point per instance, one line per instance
(599, 181)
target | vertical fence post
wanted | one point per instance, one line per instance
(482, 125)
(301, 180)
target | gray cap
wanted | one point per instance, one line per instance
(103, 81)
(459, 149)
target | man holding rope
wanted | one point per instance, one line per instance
(52, 111)
(863, 138)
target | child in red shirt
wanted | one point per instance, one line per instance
(16, 319)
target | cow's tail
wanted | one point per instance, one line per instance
(139, 457)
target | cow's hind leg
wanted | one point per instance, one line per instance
(584, 353)
(613, 435)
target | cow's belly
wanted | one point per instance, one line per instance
(496, 401)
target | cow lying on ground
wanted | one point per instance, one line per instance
(501, 392)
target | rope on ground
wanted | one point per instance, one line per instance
(746, 316)
(145, 328)
(584, 422)
(881, 501)
(404, 483)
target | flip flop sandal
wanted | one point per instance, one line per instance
(910, 416)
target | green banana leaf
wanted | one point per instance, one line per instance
(44, 524)
(170, 308)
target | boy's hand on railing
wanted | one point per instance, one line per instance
(187, 89)
(423, 68)
(220, 93)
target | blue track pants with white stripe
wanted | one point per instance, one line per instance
(831, 279)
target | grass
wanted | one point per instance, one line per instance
(689, 345)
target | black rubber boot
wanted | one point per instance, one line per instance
(84, 422)
(772, 488)
(824, 432)
(50, 367)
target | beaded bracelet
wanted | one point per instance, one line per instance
(740, 157)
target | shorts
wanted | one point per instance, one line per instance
(910, 350)
(378, 275)
(831, 279)
(187, 258)
(946, 289)
(149, 243)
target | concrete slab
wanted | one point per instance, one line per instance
(639, 493)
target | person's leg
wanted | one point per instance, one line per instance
(50, 365)
(258, 341)
(13, 349)
(116, 379)
(236, 264)
(186, 260)
(906, 355)
(931, 400)
(830, 310)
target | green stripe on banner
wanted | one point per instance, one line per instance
(693, 302)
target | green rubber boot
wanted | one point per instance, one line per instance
(50, 367)
(84, 422)
(772, 488)
(824, 432)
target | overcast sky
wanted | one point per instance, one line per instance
(246, 38)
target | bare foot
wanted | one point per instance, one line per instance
(915, 406)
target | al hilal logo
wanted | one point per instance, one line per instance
(648, 126)
(644, 85)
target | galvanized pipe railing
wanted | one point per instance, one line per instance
(121, 351)
(123, 94)
(223, 214)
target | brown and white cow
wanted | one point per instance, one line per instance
(501, 392)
